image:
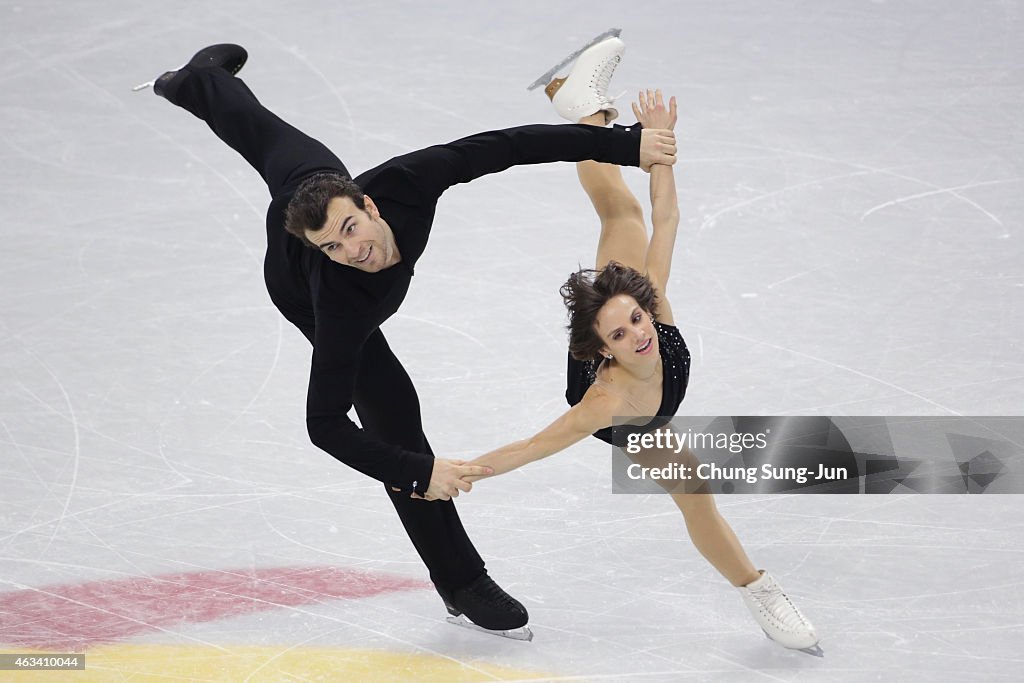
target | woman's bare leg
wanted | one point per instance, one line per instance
(623, 233)
(714, 538)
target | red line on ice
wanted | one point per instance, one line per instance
(75, 616)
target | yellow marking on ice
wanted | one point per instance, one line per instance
(166, 663)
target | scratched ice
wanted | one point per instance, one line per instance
(850, 181)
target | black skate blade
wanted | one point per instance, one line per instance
(521, 633)
(812, 650)
(550, 73)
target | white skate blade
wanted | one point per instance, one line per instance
(149, 84)
(521, 633)
(550, 73)
(812, 650)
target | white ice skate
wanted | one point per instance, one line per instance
(550, 73)
(584, 91)
(521, 633)
(780, 620)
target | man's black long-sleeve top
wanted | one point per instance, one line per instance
(338, 307)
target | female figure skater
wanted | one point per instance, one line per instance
(626, 356)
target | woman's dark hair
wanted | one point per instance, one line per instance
(307, 209)
(587, 290)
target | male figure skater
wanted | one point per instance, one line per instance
(350, 270)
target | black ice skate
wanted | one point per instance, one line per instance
(226, 56)
(484, 606)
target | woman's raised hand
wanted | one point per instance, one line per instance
(651, 112)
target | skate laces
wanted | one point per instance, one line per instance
(604, 77)
(492, 592)
(776, 603)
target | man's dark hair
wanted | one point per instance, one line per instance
(307, 209)
(587, 290)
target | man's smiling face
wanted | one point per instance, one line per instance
(355, 237)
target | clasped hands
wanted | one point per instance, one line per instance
(449, 478)
(657, 141)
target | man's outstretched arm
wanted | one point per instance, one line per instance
(337, 362)
(435, 169)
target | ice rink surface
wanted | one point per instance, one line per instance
(851, 191)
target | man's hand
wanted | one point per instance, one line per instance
(657, 147)
(446, 479)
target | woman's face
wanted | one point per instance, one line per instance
(627, 331)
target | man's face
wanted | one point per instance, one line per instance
(354, 237)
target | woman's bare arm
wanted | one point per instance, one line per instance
(650, 110)
(596, 411)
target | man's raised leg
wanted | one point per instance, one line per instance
(280, 153)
